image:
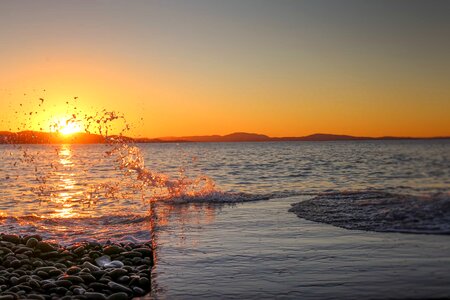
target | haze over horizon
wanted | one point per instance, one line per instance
(184, 68)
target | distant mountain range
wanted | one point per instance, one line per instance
(37, 137)
(254, 137)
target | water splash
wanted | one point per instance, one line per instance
(132, 179)
(154, 185)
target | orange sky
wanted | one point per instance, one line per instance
(283, 69)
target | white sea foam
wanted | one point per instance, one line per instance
(379, 211)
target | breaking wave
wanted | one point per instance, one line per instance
(118, 228)
(379, 211)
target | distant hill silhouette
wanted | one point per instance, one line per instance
(254, 137)
(37, 137)
(233, 137)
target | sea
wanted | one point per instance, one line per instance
(287, 220)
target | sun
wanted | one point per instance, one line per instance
(70, 128)
(66, 126)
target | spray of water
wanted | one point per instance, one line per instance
(134, 178)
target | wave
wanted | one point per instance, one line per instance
(118, 228)
(220, 197)
(379, 211)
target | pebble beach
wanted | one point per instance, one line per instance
(32, 268)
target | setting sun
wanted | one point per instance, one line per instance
(70, 128)
(66, 126)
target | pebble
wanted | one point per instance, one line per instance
(103, 260)
(109, 250)
(12, 238)
(138, 291)
(73, 279)
(90, 266)
(63, 283)
(73, 270)
(44, 247)
(123, 279)
(87, 277)
(114, 264)
(94, 296)
(146, 252)
(115, 273)
(118, 287)
(144, 282)
(32, 242)
(118, 296)
(131, 254)
(79, 291)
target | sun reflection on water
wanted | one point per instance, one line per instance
(66, 193)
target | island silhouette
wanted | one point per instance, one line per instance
(39, 137)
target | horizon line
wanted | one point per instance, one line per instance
(41, 137)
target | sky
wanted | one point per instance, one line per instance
(199, 67)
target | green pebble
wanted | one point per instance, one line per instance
(32, 242)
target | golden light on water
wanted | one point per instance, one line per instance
(66, 185)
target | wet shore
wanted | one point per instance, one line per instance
(259, 250)
(31, 268)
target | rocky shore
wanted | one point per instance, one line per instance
(31, 268)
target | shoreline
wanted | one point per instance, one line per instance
(31, 268)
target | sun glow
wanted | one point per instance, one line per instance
(70, 128)
(66, 126)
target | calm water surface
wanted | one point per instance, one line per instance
(256, 249)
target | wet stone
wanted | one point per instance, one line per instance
(50, 254)
(118, 296)
(32, 242)
(46, 269)
(74, 279)
(12, 238)
(60, 266)
(113, 250)
(144, 282)
(42, 274)
(118, 287)
(90, 266)
(103, 260)
(63, 283)
(5, 250)
(131, 254)
(98, 273)
(15, 264)
(45, 247)
(87, 277)
(59, 290)
(48, 286)
(114, 264)
(94, 296)
(34, 283)
(36, 297)
(123, 279)
(54, 273)
(117, 273)
(138, 291)
(146, 252)
(98, 286)
(79, 291)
